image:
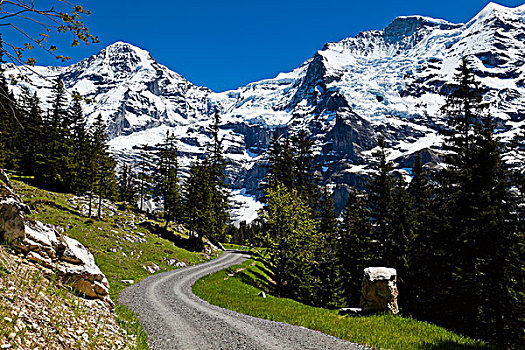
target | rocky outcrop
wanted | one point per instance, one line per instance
(45, 245)
(11, 212)
(11, 220)
(379, 290)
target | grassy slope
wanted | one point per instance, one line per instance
(101, 237)
(239, 293)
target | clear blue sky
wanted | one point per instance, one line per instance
(226, 44)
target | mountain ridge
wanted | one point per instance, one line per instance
(388, 82)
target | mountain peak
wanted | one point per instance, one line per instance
(119, 56)
(407, 25)
(493, 9)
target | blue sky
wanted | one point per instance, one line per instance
(226, 44)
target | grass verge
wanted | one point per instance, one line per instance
(239, 293)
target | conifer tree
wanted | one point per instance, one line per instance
(101, 166)
(479, 235)
(32, 141)
(127, 185)
(381, 203)
(10, 126)
(423, 257)
(219, 205)
(356, 249)
(324, 270)
(54, 160)
(281, 164)
(167, 180)
(303, 161)
(144, 176)
(79, 150)
(197, 199)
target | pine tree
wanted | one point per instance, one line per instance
(54, 161)
(144, 176)
(381, 203)
(219, 205)
(10, 126)
(197, 195)
(423, 257)
(31, 144)
(127, 185)
(402, 239)
(324, 270)
(101, 166)
(355, 248)
(304, 163)
(281, 164)
(479, 235)
(79, 150)
(167, 180)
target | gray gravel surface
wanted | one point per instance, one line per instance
(174, 318)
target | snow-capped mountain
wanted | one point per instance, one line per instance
(386, 82)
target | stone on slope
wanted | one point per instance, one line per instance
(12, 227)
(379, 290)
(78, 267)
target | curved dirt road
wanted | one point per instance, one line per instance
(174, 318)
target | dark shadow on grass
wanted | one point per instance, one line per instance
(268, 271)
(450, 345)
(257, 280)
(192, 244)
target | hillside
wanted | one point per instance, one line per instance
(36, 308)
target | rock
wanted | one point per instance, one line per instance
(5, 179)
(127, 281)
(12, 227)
(84, 275)
(42, 260)
(180, 264)
(152, 268)
(171, 262)
(40, 238)
(262, 294)
(379, 290)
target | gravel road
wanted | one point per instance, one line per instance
(174, 318)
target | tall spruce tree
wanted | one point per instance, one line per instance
(144, 167)
(219, 203)
(196, 199)
(79, 150)
(305, 170)
(324, 267)
(10, 126)
(381, 204)
(54, 161)
(423, 258)
(127, 185)
(479, 235)
(32, 142)
(167, 177)
(356, 249)
(281, 164)
(101, 166)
